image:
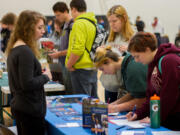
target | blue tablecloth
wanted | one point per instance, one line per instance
(4, 79)
(4, 82)
(53, 120)
(3, 98)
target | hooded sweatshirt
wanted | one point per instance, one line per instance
(165, 85)
(81, 38)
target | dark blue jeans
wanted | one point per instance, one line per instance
(67, 80)
(84, 82)
(158, 37)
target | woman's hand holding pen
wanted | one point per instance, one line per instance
(131, 116)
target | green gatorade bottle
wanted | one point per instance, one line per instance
(155, 111)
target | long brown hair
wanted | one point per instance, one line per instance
(25, 30)
(127, 31)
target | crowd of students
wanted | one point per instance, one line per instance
(129, 60)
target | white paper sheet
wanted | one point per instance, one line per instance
(166, 133)
(113, 114)
(133, 124)
(132, 133)
(73, 124)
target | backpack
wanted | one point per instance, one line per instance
(159, 64)
(160, 60)
(99, 39)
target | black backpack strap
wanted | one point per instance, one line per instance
(94, 26)
(88, 20)
(127, 61)
(125, 67)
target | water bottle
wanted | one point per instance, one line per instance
(155, 111)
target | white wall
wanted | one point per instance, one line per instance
(167, 11)
(16, 6)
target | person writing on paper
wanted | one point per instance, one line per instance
(26, 80)
(120, 33)
(133, 75)
(163, 77)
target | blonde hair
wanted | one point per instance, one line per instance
(127, 31)
(103, 55)
(25, 30)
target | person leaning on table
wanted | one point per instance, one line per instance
(120, 33)
(166, 84)
(26, 80)
(132, 73)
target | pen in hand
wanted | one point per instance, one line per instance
(134, 109)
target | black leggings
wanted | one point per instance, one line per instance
(29, 125)
(110, 96)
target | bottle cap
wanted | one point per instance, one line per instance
(155, 97)
(97, 101)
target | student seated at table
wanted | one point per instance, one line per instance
(163, 77)
(133, 75)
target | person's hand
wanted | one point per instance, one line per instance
(145, 120)
(71, 69)
(48, 73)
(100, 48)
(113, 108)
(54, 55)
(130, 116)
(123, 48)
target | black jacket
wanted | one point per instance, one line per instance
(5, 35)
